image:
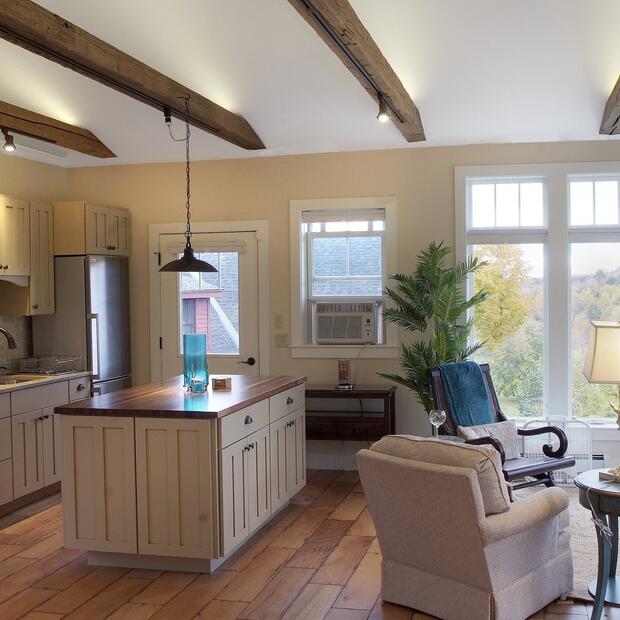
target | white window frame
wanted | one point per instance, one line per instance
(301, 345)
(558, 236)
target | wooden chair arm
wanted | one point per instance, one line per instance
(491, 441)
(547, 448)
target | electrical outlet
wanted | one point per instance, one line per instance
(281, 340)
(278, 321)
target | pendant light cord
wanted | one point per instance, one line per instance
(188, 230)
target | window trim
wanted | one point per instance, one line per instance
(558, 378)
(300, 343)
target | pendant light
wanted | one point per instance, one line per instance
(188, 262)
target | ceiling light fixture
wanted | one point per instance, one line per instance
(9, 145)
(383, 116)
(188, 262)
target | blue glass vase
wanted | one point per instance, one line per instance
(195, 359)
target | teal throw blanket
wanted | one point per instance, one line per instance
(466, 394)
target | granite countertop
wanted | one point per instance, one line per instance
(169, 399)
(29, 380)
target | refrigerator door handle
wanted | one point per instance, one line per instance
(93, 322)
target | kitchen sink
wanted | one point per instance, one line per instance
(16, 379)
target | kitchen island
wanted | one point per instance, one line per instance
(156, 477)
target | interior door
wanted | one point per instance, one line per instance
(222, 305)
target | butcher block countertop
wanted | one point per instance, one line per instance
(170, 400)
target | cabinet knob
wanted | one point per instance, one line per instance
(289, 401)
(5, 266)
(80, 387)
(46, 416)
(35, 306)
(248, 419)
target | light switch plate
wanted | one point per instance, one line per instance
(278, 321)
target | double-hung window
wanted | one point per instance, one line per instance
(550, 235)
(346, 249)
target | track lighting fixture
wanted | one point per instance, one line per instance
(9, 145)
(383, 116)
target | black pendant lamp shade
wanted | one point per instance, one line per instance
(188, 262)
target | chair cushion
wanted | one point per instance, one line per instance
(504, 432)
(485, 460)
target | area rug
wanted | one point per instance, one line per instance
(583, 545)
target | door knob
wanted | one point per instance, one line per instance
(250, 361)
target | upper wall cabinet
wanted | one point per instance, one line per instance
(81, 228)
(14, 237)
(41, 258)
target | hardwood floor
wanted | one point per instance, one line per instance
(318, 559)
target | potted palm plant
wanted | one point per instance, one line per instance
(432, 302)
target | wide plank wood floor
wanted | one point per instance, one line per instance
(317, 559)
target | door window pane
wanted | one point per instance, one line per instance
(606, 203)
(595, 295)
(483, 205)
(507, 196)
(532, 205)
(511, 324)
(209, 303)
(507, 205)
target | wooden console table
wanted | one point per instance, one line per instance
(357, 425)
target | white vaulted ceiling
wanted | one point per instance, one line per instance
(480, 71)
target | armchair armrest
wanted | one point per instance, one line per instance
(491, 441)
(524, 514)
(547, 448)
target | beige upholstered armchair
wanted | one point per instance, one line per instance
(452, 543)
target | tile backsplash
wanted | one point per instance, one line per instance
(20, 327)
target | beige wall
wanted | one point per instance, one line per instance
(260, 188)
(32, 181)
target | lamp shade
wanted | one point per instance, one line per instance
(602, 364)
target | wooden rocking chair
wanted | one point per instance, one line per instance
(540, 468)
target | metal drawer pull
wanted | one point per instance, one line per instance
(248, 419)
(289, 401)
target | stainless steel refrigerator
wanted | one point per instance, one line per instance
(91, 319)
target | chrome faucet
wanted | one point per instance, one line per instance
(9, 338)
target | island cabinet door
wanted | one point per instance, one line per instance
(295, 451)
(259, 496)
(176, 488)
(234, 492)
(280, 483)
(99, 483)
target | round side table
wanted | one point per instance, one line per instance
(602, 498)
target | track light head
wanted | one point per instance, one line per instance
(9, 144)
(383, 116)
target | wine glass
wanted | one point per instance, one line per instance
(437, 417)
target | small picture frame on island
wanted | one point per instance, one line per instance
(221, 383)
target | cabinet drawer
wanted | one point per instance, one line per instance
(5, 439)
(39, 397)
(5, 405)
(79, 389)
(240, 424)
(286, 402)
(6, 481)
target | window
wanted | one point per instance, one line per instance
(550, 235)
(210, 303)
(342, 265)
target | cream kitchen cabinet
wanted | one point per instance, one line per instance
(27, 435)
(82, 228)
(175, 486)
(14, 237)
(100, 498)
(41, 296)
(52, 451)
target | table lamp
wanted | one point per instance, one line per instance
(602, 364)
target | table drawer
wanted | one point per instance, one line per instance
(5, 439)
(286, 402)
(5, 405)
(79, 389)
(240, 424)
(39, 397)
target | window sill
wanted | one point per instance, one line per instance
(375, 351)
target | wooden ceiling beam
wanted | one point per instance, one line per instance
(27, 123)
(338, 25)
(40, 31)
(610, 124)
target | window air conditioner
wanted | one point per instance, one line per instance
(347, 322)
